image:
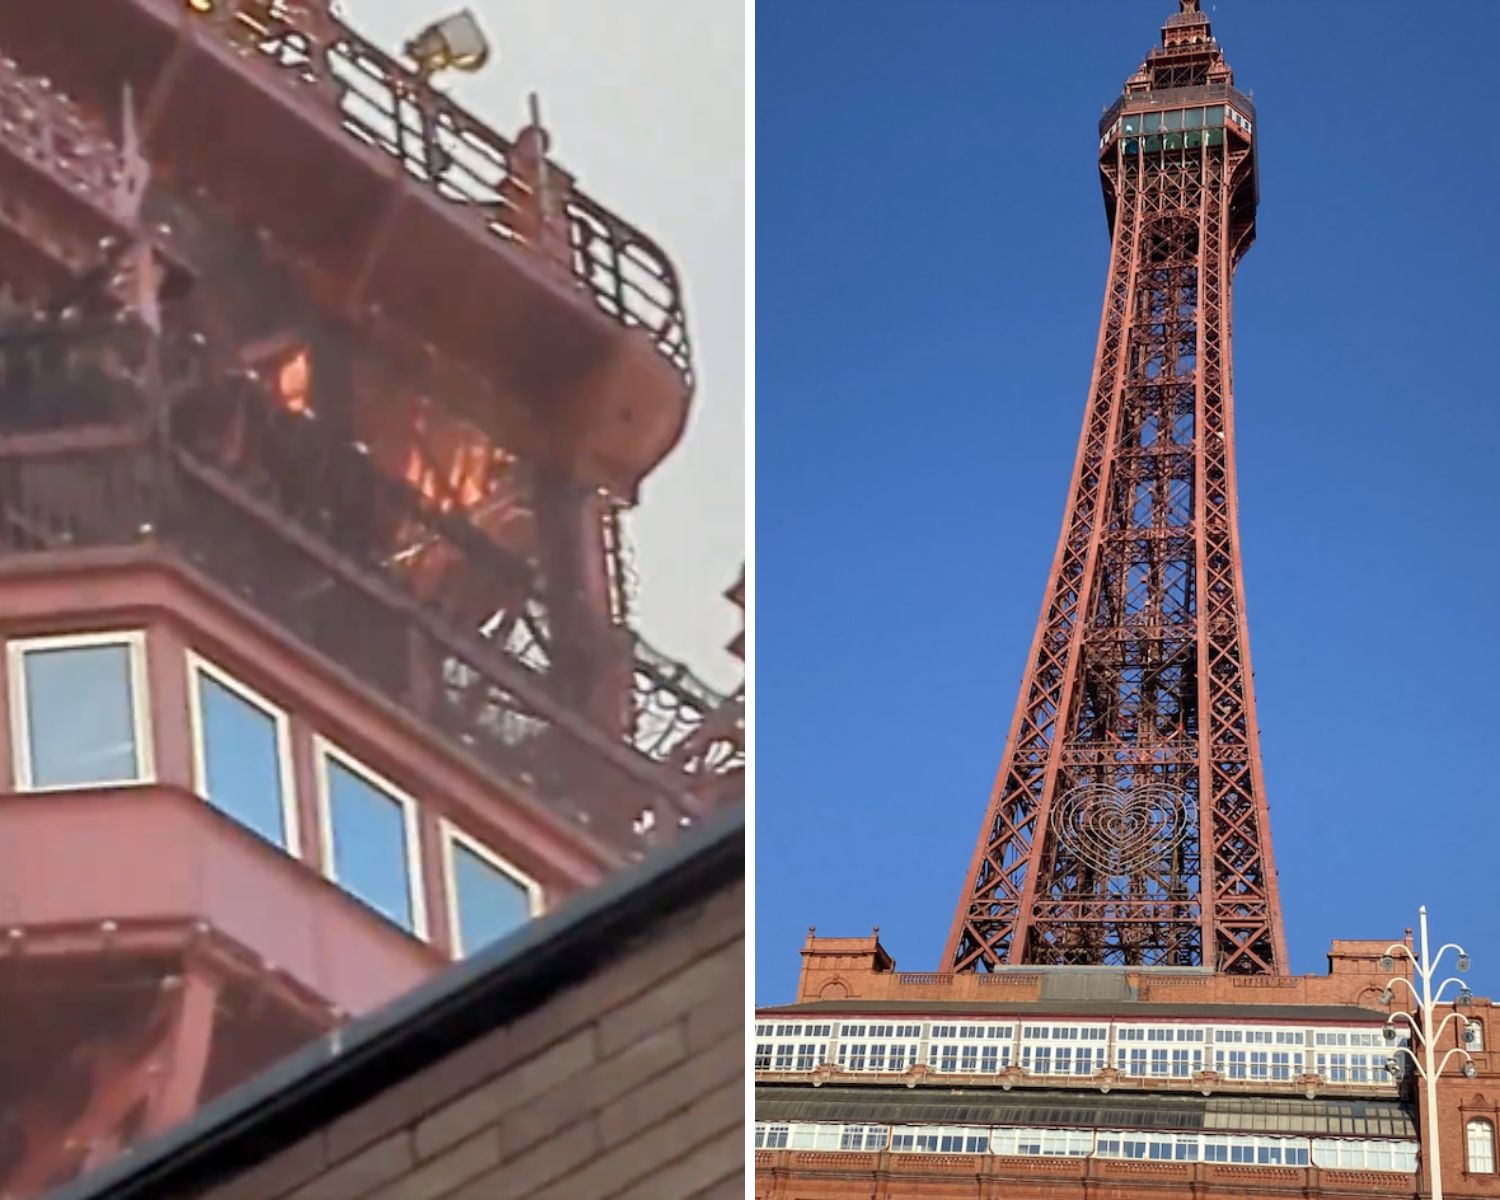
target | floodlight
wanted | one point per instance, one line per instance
(455, 43)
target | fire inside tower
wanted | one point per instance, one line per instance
(1115, 1014)
(1128, 823)
(320, 406)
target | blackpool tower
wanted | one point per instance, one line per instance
(1128, 823)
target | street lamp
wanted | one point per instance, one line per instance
(1422, 1029)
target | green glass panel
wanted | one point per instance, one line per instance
(1172, 120)
(1174, 141)
(1192, 139)
(1193, 119)
(1153, 122)
(1216, 115)
(1215, 137)
(1133, 124)
(1132, 146)
(1153, 144)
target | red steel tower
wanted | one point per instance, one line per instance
(320, 402)
(1128, 823)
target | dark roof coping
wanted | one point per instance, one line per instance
(1079, 1008)
(350, 1065)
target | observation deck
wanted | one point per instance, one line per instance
(418, 208)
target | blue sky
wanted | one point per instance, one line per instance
(930, 261)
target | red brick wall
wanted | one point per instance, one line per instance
(793, 1175)
(861, 969)
(630, 1086)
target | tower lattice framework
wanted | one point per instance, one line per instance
(1128, 823)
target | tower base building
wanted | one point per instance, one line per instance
(1045, 1083)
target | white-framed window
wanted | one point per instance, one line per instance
(1351, 1154)
(487, 896)
(1169, 1051)
(1481, 1139)
(80, 710)
(1349, 1067)
(1063, 1049)
(1268, 1053)
(242, 754)
(940, 1139)
(371, 846)
(1047, 1143)
(983, 1048)
(791, 1046)
(1242, 1149)
(864, 1137)
(878, 1046)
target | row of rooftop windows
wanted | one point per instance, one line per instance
(80, 718)
(1366, 1154)
(1173, 1051)
(1175, 129)
(1265, 1035)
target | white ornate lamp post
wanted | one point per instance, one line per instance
(1423, 1031)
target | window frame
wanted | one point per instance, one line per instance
(323, 751)
(1488, 1128)
(285, 771)
(452, 835)
(16, 649)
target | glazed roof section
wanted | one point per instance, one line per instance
(1295, 1116)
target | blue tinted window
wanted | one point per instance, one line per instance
(1153, 122)
(490, 902)
(1193, 119)
(241, 759)
(80, 716)
(369, 851)
(1171, 120)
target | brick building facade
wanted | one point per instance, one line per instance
(1068, 1083)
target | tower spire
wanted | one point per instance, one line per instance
(1128, 824)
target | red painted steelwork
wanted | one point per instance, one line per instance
(306, 372)
(1128, 824)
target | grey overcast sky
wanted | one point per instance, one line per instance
(644, 100)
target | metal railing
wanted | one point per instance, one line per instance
(48, 131)
(677, 719)
(386, 105)
(87, 460)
